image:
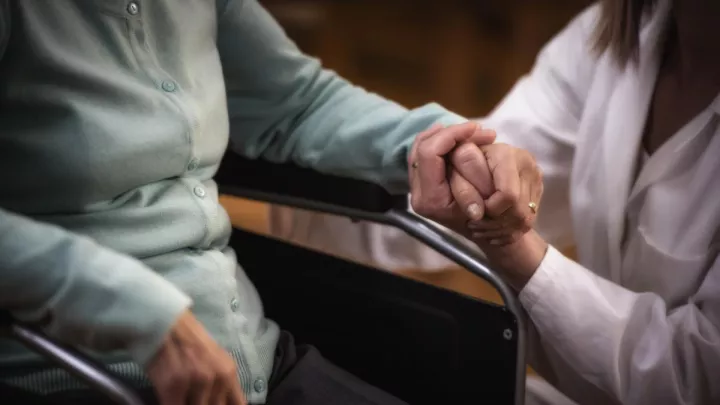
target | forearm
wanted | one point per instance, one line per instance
(341, 129)
(284, 106)
(349, 132)
(83, 293)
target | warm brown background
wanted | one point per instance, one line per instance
(463, 54)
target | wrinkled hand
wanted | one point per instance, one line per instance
(190, 368)
(482, 190)
(511, 207)
(430, 185)
(505, 232)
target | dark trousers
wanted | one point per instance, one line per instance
(301, 376)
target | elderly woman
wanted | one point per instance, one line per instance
(621, 114)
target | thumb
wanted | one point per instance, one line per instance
(470, 162)
(466, 196)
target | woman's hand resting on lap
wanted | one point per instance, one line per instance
(190, 368)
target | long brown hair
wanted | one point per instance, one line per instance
(618, 28)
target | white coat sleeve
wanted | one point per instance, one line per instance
(540, 114)
(627, 347)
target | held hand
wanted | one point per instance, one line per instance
(511, 209)
(430, 183)
(191, 368)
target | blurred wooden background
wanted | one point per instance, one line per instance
(463, 54)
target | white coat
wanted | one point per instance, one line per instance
(637, 319)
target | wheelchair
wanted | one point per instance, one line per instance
(424, 344)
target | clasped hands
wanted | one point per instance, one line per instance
(488, 192)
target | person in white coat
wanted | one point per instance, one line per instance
(622, 114)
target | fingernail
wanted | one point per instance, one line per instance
(496, 242)
(474, 212)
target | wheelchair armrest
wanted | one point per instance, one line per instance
(283, 183)
(72, 361)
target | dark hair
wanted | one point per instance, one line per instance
(618, 28)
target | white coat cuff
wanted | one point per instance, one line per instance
(542, 283)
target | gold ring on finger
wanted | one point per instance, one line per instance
(533, 207)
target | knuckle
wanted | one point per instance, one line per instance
(511, 198)
(537, 172)
(425, 149)
(196, 374)
(531, 158)
(533, 163)
(227, 371)
(177, 378)
(465, 153)
(203, 375)
(489, 150)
